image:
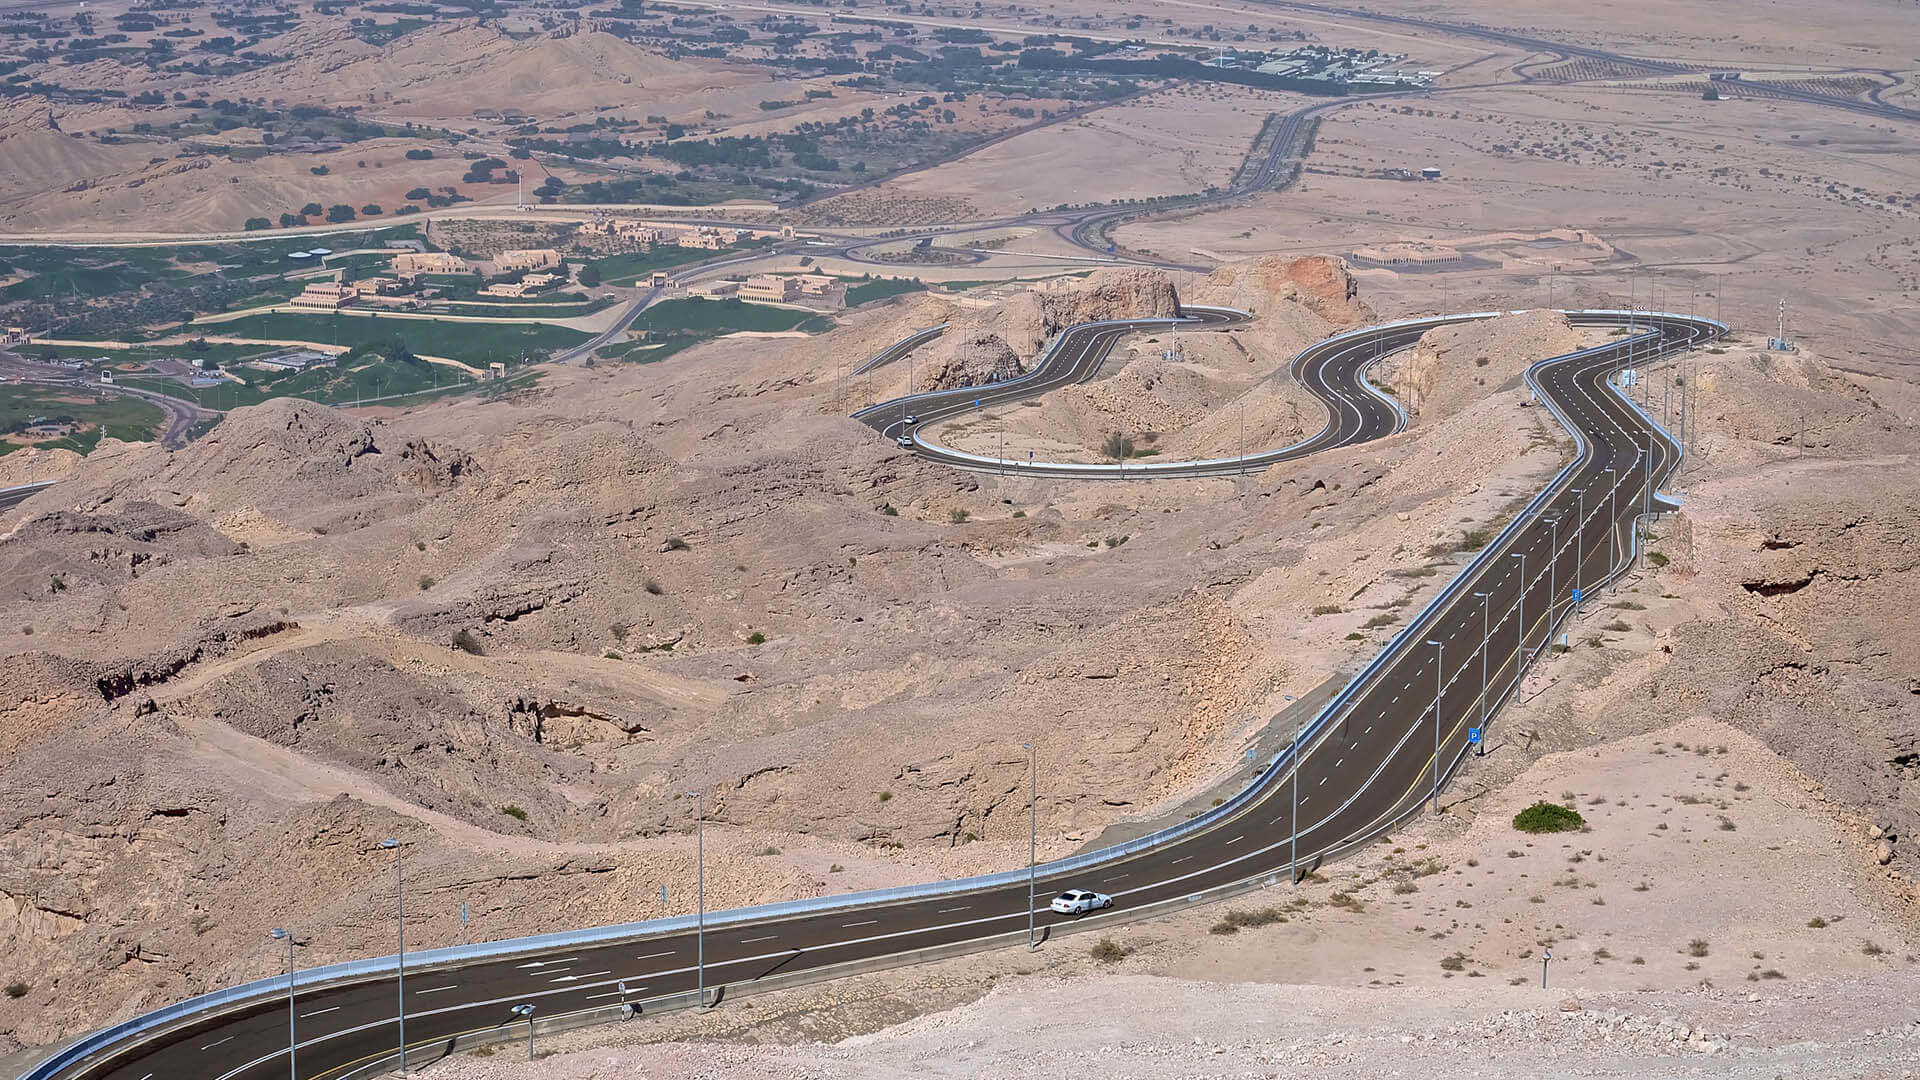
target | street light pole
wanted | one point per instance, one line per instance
(292, 1043)
(1439, 685)
(400, 929)
(1579, 544)
(1613, 520)
(525, 1011)
(1486, 646)
(700, 926)
(1033, 832)
(1520, 624)
(1646, 497)
(1293, 856)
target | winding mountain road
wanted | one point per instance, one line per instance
(1373, 755)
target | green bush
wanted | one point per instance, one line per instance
(16, 989)
(756, 638)
(514, 812)
(1546, 817)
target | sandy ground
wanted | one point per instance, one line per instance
(1168, 143)
(1723, 206)
(543, 525)
(1334, 990)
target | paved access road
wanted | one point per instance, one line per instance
(1371, 758)
(1333, 370)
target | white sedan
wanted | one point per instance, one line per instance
(1080, 902)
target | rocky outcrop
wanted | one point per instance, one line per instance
(1320, 283)
(1035, 316)
(972, 357)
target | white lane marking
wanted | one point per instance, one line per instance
(947, 910)
(1180, 860)
(866, 922)
(615, 993)
(751, 940)
(319, 1012)
(437, 989)
(577, 978)
(222, 1042)
(544, 963)
(651, 955)
(1235, 840)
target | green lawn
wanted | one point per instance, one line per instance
(81, 272)
(362, 377)
(881, 288)
(519, 309)
(698, 315)
(474, 343)
(216, 352)
(676, 325)
(99, 415)
(627, 268)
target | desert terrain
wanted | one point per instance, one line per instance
(514, 629)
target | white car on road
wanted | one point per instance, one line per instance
(1080, 902)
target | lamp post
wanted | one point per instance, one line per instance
(1520, 624)
(400, 930)
(1579, 544)
(700, 890)
(524, 1011)
(1439, 685)
(1486, 646)
(1646, 496)
(278, 935)
(1033, 832)
(1293, 856)
(1613, 520)
(1553, 580)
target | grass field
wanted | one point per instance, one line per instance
(626, 268)
(673, 326)
(359, 378)
(881, 288)
(474, 343)
(213, 351)
(97, 416)
(701, 316)
(518, 309)
(81, 272)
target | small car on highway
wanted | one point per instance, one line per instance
(905, 441)
(1080, 902)
(910, 420)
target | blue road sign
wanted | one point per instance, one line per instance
(1473, 734)
(1576, 594)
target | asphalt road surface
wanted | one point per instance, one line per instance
(1373, 761)
(14, 496)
